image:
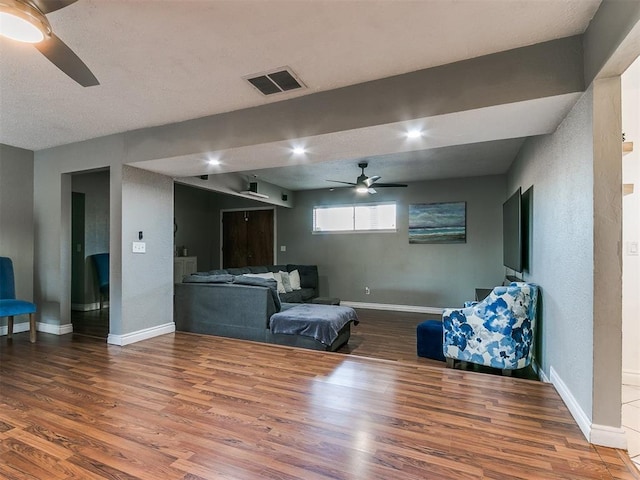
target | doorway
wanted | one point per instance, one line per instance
(89, 236)
(247, 237)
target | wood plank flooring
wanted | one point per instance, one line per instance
(184, 406)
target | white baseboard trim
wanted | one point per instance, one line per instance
(140, 335)
(629, 377)
(570, 401)
(87, 307)
(543, 376)
(396, 308)
(613, 437)
(40, 327)
(17, 328)
(54, 329)
(608, 436)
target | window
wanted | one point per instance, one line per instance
(360, 218)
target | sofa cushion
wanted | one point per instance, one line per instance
(206, 278)
(271, 284)
(307, 293)
(308, 275)
(259, 269)
(220, 271)
(292, 297)
(277, 268)
(238, 271)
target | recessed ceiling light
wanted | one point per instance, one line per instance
(415, 133)
(299, 150)
(213, 162)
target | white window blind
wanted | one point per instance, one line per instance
(359, 218)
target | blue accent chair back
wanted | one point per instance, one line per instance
(101, 264)
(9, 305)
(497, 332)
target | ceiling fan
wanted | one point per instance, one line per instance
(365, 184)
(25, 21)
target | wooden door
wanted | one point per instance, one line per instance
(247, 238)
(260, 237)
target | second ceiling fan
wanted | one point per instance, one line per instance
(365, 184)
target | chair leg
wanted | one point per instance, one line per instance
(450, 362)
(32, 328)
(10, 327)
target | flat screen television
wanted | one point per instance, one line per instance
(512, 232)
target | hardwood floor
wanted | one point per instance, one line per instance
(184, 406)
(94, 323)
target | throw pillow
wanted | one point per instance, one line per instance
(286, 282)
(278, 278)
(294, 279)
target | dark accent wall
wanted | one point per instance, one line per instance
(197, 215)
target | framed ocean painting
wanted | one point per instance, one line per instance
(438, 222)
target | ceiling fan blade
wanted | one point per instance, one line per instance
(371, 191)
(63, 57)
(390, 185)
(371, 180)
(338, 181)
(48, 6)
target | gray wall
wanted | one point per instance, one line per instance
(432, 275)
(576, 173)
(16, 217)
(95, 186)
(560, 169)
(147, 279)
(197, 214)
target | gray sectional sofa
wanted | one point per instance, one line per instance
(308, 279)
(228, 304)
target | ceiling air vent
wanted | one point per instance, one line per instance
(277, 81)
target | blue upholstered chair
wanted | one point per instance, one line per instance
(101, 264)
(9, 305)
(497, 332)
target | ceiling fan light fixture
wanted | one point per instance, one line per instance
(23, 22)
(362, 189)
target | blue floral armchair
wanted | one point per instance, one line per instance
(496, 332)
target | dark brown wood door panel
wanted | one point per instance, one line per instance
(247, 238)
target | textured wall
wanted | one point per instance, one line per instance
(430, 275)
(16, 217)
(147, 279)
(560, 169)
(631, 227)
(53, 169)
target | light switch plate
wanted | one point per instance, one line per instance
(139, 247)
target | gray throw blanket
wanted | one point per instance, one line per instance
(322, 322)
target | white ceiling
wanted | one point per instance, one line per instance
(164, 61)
